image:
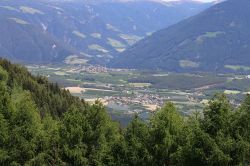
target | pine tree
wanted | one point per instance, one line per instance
(25, 131)
(165, 128)
(137, 142)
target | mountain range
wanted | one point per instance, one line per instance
(53, 31)
(214, 40)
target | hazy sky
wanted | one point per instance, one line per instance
(196, 0)
(206, 0)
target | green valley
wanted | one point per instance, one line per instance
(124, 83)
(126, 92)
(42, 124)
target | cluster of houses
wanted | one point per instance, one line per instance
(94, 69)
(137, 99)
(90, 69)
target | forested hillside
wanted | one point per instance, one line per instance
(42, 124)
(49, 31)
(215, 40)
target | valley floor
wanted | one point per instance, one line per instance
(126, 92)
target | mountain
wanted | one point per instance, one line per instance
(214, 40)
(42, 31)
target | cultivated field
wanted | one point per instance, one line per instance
(126, 92)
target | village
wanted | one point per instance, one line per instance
(129, 90)
(95, 69)
(150, 101)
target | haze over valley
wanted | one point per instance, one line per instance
(133, 55)
(125, 82)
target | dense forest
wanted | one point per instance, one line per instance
(41, 124)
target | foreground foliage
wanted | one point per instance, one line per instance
(41, 124)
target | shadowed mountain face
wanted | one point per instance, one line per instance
(52, 31)
(214, 40)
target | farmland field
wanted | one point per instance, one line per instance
(126, 92)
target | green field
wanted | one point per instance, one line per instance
(237, 67)
(188, 91)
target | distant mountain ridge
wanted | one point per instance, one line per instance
(214, 40)
(43, 31)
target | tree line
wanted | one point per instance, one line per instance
(41, 124)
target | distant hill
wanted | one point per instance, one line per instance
(23, 42)
(56, 31)
(214, 40)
